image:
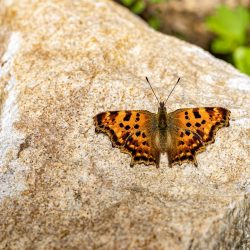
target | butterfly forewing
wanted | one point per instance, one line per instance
(192, 129)
(203, 121)
(131, 131)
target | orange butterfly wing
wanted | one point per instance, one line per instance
(192, 129)
(131, 131)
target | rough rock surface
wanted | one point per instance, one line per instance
(64, 187)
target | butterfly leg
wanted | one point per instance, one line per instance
(132, 163)
(195, 162)
(157, 160)
(170, 158)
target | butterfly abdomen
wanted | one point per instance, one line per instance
(162, 139)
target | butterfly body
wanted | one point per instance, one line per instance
(160, 134)
(145, 135)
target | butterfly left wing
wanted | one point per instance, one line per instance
(131, 131)
(192, 129)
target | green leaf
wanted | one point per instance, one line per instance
(222, 46)
(127, 2)
(138, 7)
(230, 24)
(154, 22)
(241, 58)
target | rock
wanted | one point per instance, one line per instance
(65, 187)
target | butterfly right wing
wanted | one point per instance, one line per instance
(192, 129)
(131, 132)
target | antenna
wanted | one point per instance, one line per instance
(152, 90)
(173, 88)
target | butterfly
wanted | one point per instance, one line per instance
(145, 135)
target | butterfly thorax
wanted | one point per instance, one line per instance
(162, 117)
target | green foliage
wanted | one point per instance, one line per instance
(157, 1)
(241, 58)
(231, 29)
(136, 6)
(127, 2)
(139, 6)
(154, 22)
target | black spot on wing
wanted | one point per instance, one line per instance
(196, 113)
(183, 158)
(192, 151)
(209, 110)
(113, 115)
(133, 151)
(127, 116)
(197, 124)
(127, 127)
(138, 133)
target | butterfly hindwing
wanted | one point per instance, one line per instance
(131, 132)
(192, 129)
(185, 144)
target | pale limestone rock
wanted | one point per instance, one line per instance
(64, 187)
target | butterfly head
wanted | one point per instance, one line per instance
(162, 116)
(162, 106)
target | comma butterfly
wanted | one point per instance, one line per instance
(145, 135)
